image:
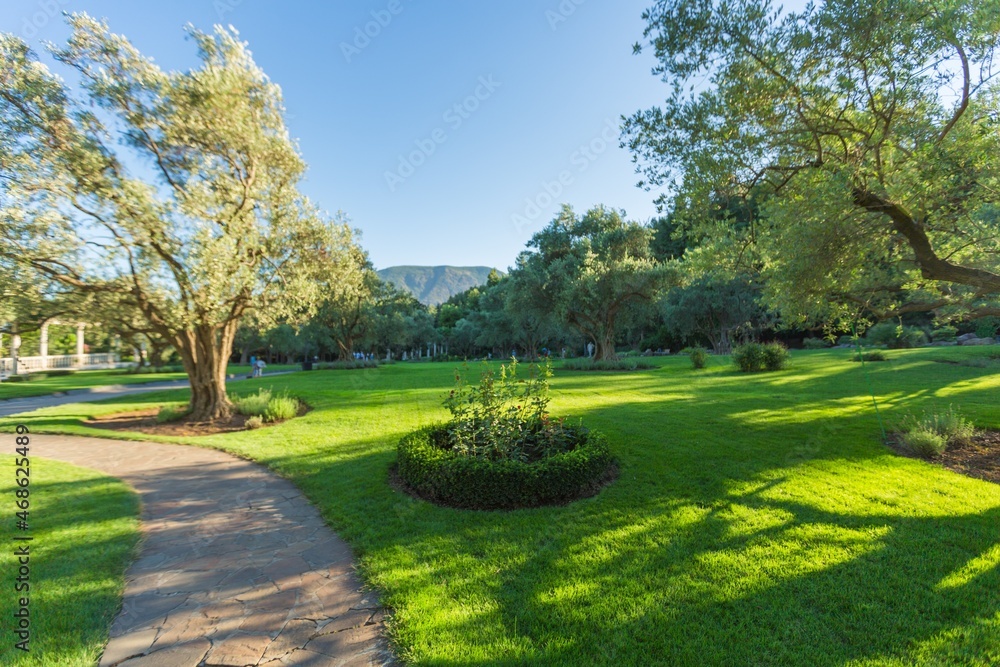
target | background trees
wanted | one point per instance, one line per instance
(870, 127)
(590, 270)
(175, 192)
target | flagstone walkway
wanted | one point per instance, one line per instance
(236, 567)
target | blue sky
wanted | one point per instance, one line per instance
(448, 132)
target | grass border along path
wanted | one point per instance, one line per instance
(85, 529)
(758, 519)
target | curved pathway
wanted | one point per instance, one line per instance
(236, 567)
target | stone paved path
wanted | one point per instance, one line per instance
(236, 567)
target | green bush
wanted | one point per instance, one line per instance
(775, 356)
(986, 327)
(925, 443)
(755, 357)
(749, 357)
(849, 339)
(59, 372)
(895, 335)
(585, 364)
(698, 356)
(815, 343)
(254, 404)
(170, 413)
(281, 408)
(946, 333)
(871, 355)
(934, 432)
(254, 422)
(443, 475)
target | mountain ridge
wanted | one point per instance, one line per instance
(433, 285)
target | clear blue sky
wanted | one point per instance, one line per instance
(535, 84)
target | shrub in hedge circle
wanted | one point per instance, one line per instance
(502, 450)
(444, 475)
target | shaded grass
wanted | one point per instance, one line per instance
(85, 530)
(758, 520)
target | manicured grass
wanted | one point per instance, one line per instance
(89, 379)
(85, 529)
(758, 519)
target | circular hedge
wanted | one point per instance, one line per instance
(446, 477)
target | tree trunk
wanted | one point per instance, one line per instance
(205, 352)
(605, 349)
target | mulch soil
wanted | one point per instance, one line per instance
(144, 421)
(979, 458)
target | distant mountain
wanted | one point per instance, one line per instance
(433, 285)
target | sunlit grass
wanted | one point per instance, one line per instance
(757, 520)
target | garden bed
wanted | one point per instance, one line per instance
(144, 421)
(979, 458)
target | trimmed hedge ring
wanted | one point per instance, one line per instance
(448, 478)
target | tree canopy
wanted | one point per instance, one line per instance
(869, 128)
(174, 192)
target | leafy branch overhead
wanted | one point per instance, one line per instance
(869, 130)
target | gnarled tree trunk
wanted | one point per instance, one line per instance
(205, 351)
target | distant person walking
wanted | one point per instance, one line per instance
(259, 368)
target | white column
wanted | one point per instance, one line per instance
(43, 344)
(15, 345)
(79, 344)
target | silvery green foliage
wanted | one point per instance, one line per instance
(175, 192)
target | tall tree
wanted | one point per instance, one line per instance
(589, 271)
(174, 191)
(870, 127)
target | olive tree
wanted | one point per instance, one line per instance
(174, 192)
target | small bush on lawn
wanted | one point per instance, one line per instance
(871, 355)
(501, 449)
(895, 335)
(254, 422)
(631, 364)
(927, 444)
(281, 408)
(171, 413)
(815, 343)
(947, 334)
(254, 404)
(698, 356)
(755, 357)
(934, 432)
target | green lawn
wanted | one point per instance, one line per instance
(85, 527)
(89, 379)
(758, 520)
